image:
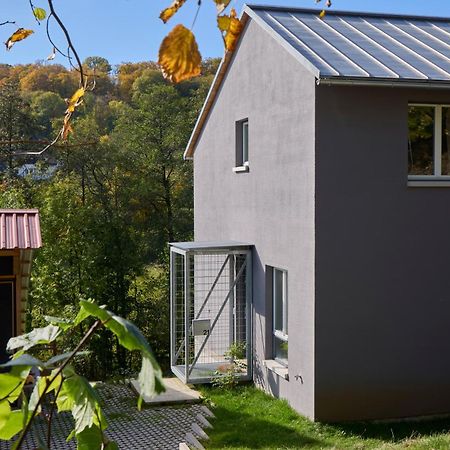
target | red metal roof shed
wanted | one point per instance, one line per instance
(20, 234)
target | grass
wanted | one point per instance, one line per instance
(248, 419)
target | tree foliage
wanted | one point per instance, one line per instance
(110, 200)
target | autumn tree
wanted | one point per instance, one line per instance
(54, 78)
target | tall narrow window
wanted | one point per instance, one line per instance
(446, 140)
(280, 316)
(242, 143)
(428, 141)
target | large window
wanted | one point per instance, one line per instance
(280, 315)
(429, 141)
(242, 145)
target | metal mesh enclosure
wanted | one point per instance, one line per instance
(210, 311)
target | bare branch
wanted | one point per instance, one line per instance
(51, 144)
(32, 10)
(23, 141)
(51, 40)
(7, 22)
(68, 39)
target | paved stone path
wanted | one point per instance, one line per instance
(155, 428)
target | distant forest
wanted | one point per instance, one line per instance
(111, 197)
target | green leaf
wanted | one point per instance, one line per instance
(90, 439)
(13, 423)
(11, 383)
(79, 397)
(24, 361)
(128, 334)
(35, 337)
(130, 337)
(61, 322)
(24, 409)
(149, 384)
(82, 315)
(62, 357)
(41, 386)
(39, 13)
(5, 410)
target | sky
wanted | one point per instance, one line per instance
(130, 30)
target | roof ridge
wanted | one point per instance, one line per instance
(335, 12)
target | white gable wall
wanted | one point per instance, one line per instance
(272, 206)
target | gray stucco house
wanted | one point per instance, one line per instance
(324, 145)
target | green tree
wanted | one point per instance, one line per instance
(98, 64)
(45, 107)
(16, 126)
(154, 133)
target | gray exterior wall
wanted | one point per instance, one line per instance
(272, 206)
(382, 271)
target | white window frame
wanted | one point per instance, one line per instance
(245, 142)
(430, 180)
(280, 334)
(242, 147)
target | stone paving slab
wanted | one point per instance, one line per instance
(176, 392)
(152, 428)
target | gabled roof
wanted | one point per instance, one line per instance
(352, 47)
(363, 45)
(19, 229)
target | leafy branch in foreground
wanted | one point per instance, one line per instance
(69, 391)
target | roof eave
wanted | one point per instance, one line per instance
(210, 98)
(383, 82)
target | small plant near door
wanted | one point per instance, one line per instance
(59, 388)
(227, 375)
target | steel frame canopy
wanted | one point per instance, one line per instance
(210, 310)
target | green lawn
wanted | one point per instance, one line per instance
(249, 419)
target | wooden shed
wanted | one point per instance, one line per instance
(20, 234)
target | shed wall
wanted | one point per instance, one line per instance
(272, 206)
(383, 284)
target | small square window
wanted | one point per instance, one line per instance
(280, 315)
(242, 144)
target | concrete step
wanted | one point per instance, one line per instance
(176, 393)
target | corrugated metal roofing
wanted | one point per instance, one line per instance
(362, 45)
(19, 229)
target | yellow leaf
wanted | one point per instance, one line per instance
(179, 57)
(39, 13)
(231, 28)
(75, 100)
(223, 22)
(167, 13)
(18, 35)
(322, 14)
(67, 128)
(221, 5)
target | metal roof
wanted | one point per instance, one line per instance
(350, 47)
(362, 45)
(19, 229)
